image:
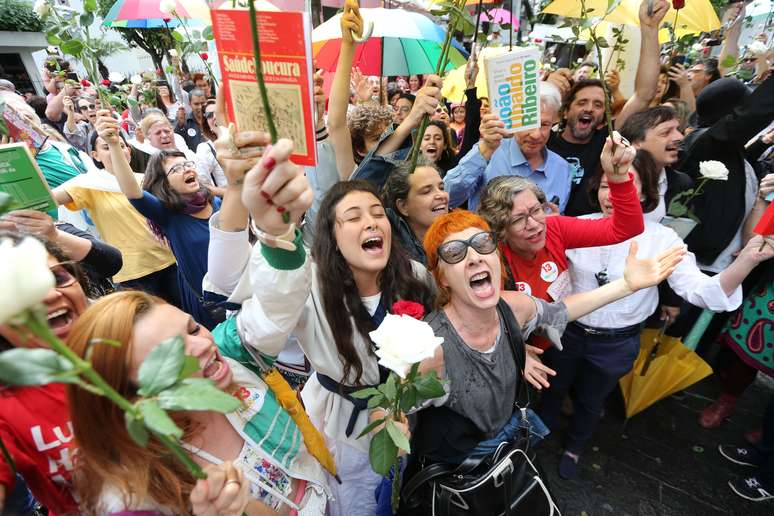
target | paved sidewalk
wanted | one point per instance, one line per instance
(661, 462)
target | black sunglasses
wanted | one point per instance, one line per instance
(209, 114)
(90, 106)
(454, 251)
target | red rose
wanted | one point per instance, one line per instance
(85, 83)
(167, 20)
(105, 82)
(159, 72)
(204, 55)
(678, 4)
(410, 308)
(538, 40)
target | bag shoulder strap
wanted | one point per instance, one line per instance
(424, 476)
(513, 333)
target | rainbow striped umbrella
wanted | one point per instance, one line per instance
(146, 14)
(402, 43)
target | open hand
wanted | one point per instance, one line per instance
(224, 493)
(649, 272)
(275, 186)
(535, 372)
(679, 74)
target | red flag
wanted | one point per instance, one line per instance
(765, 226)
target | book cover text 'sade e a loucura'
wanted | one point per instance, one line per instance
(286, 59)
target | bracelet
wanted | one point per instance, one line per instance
(284, 241)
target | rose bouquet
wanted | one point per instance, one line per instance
(680, 216)
(402, 341)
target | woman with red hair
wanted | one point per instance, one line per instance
(481, 324)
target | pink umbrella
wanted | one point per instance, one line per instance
(498, 15)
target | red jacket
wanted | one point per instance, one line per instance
(35, 427)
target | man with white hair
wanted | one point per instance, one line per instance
(525, 155)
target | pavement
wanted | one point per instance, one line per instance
(660, 462)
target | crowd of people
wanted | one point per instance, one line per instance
(172, 223)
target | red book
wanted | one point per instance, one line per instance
(765, 226)
(286, 58)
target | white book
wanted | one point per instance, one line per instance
(513, 82)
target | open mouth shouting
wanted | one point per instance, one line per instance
(481, 285)
(373, 245)
(585, 122)
(60, 320)
(431, 152)
(215, 368)
(190, 179)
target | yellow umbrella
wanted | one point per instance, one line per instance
(454, 82)
(656, 375)
(697, 15)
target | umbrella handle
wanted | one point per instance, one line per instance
(366, 34)
(699, 327)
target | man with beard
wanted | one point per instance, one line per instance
(584, 133)
(191, 129)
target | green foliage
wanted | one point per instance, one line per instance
(136, 429)
(17, 16)
(382, 452)
(197, 394)
(157, 420)
(27, 366)
(161, 367)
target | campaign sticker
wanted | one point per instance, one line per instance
(549, 272)
(523, 287)
(191, 132)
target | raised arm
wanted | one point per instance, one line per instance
(108, 129)
(730, 48)
(678, 74)
(428, 98)
(646, 81)
(351, 21)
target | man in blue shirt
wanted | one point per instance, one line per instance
(525, 154)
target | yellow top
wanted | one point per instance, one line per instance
(120, 225)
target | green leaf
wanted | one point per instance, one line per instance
(157, 420)
(195, 34)
(178, 37)
(371, 426)
(207, 33)
(728, 62)
(602, 42)
(382, 452)
(428, 386)
(398, 437)
(136, 429)
(26, 366)
(677, 210)
(5, 199)
(86, 19)
(409, 398)
(161, 367)
(376, 400)
(90, 5)
(197, 396)
(73, 47)
(388, 388)
(53, 39)
(364, 393)
(190, 364)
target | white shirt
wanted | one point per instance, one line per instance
(660, 211)
(208, 169)
(687, 280)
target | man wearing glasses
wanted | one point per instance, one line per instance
(81, 112)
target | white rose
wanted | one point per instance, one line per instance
(116, 77)
(136, 79)
(402, 341)
(25, 276)
(41, 8)
(757, 48)
(713, 170)
(167, 6)
(172, 52)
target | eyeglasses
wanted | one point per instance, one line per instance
(209, 114)
(454, 251)
(180, 167)
(536, 213)
(62, 278)
(88, 106)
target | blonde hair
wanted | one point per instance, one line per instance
(151, 120)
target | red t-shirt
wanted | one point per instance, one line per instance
(536, 276)
(35, 427)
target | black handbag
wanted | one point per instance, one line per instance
(505, 483)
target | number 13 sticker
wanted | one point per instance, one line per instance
(549, 272)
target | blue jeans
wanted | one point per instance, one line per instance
(591, 366)
(537, 431)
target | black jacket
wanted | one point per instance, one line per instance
(721, 207)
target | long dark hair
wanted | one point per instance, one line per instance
(648, 172)
(445, 162)
(337, 283)
(156, 182)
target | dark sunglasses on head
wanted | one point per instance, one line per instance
(209, 114)
(454, 251)
(62, 277)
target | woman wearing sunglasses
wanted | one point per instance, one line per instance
(602, 346)
(533, 244)
(473, 318)
(177, 208)
(210, 172)
(328, 304)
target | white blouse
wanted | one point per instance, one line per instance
(687, 280)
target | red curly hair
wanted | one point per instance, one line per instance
(445, 225)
